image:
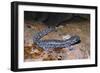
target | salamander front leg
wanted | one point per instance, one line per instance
(71, 48)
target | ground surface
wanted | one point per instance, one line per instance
(32, 52)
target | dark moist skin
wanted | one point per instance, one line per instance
(47, 44)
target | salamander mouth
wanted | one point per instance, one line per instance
(79, 41)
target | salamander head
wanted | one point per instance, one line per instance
(75, 40)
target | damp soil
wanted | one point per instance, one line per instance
(33, 52)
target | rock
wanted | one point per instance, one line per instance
(66, 37)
